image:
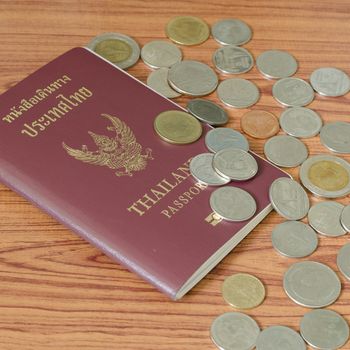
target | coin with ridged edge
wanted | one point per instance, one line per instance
(158, 81)
(207, 111)
(243, 291)
(345, 218)
(336, 136)
(177, 127)
(343, 260)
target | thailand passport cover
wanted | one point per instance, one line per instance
(77, 140)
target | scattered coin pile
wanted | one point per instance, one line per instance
(307, 283)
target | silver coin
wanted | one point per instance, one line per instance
(300, 122)
(285, 151)
(231, 32)
(158, 81)
(201, 168)
(336, 136)
(311, 284)
(233, 60)
(330, 81)
(289, 198)
(324, 217)
(294, 239)
(276, 64)
(335, 182)
(234, 331)
(343, 260)
(119, 46)
(192, 78)
(280, 338)
(235, 164)
(207, 111)
(345, 218)
(238, 93)
(232, 203)
(293, 92)
(324, 329)
(220, 138)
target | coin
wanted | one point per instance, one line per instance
(293, 92)
(177, 127)
(345, 218)
(232, 203)
(300, 122)
(201, 168)
(220, 138)
(231, 31)
(259, 124)
(243, 291)
(159, 53)
(285, 151)
(294, 239)
(158, 81)
(207, 111)
(276, 64)
(330, 81)
(238, 93)
(324, 217)
(280, 338)
(233, 60)
(235, 164)
(192, 78)
(311, 284)
(336, 136)
(343, 260)
(119, 49)
(324, 329)
(187, 30)
(234, 331)
(289, 198)
(326, 176)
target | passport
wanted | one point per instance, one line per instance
(77, 140)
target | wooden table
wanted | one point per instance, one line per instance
(59, 292)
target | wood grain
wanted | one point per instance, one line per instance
(57, 291)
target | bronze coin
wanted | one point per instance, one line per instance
(260, 124)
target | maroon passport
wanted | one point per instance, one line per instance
(77, 140)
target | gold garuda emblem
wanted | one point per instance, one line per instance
(120, 152)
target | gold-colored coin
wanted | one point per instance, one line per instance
(187, 30)
(177, 127)
(328, 175)
(113, 50)
(243, 291)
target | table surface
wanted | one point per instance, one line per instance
(56, 290)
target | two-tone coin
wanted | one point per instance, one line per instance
(330, 81)
(160, 53)
(311, 284)
(293, 92)
(324, 217)
(345, 218)
(192, 78)
(336, 136)
(207, 111)
(243, 291)
(220, 138)
(232, 203)
(289, 198)
(300, 122)
(285, 151)
(238, 93)
(294, 239)
(276, 64)
(158, 81)
(177, 127)
(343, 260)
(201, 168)
(233, 60)
(234, 331)
(324, 329)
(119, 49)
(326, 176)
(231, 31)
